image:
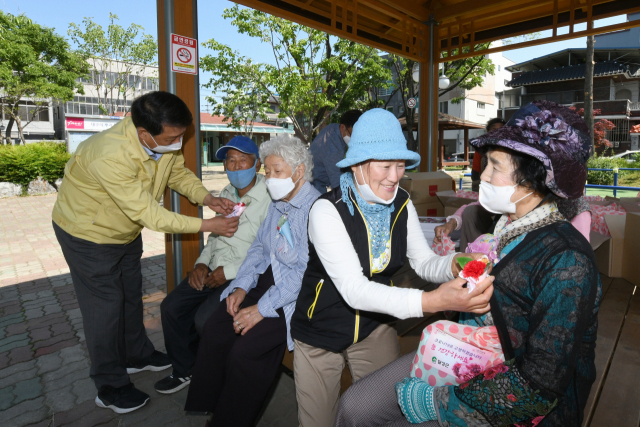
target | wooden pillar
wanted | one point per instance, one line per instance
(180, 17)
(466, 145)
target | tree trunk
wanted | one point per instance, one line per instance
(588, 89)
(20, 132)
(8, 131)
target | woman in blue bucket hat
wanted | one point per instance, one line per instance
(359, 237)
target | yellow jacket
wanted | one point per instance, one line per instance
(111, 189)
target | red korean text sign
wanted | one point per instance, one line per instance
(184, 54)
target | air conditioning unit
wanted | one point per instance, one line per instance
(616, 144)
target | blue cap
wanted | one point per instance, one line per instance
(377, 135)
(240, 143)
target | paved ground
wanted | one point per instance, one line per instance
(44, 366)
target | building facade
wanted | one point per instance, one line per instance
(560, 77)
(109, 91)
(478, 105)
(39, 129)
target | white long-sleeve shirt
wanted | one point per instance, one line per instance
(339, 258)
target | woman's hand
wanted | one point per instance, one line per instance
(234, 300)
(445, 229)
(452, 296)
(455, 267)
(246, 319)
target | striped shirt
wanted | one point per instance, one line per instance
(272, 249)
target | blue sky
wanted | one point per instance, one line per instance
(210, 24)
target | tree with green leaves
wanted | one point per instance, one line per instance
(117, 56)
(314, 74)
(36, 65)
(466, 73)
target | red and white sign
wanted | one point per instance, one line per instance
(184, 54)
(411, 102)
(97, 125)
(75, 123)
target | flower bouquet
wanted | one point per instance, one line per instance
(474, 271)
(237, 210)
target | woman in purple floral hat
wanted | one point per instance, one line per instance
(546, 298)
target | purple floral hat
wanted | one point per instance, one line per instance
(553, 134)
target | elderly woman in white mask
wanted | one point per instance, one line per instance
(243, 343)
(359, 236)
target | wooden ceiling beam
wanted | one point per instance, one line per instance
(467, 7)
(416, 13)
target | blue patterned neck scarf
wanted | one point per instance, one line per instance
(377, 216)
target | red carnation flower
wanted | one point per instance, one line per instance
(474, 269)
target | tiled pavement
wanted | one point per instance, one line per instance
(44, 366)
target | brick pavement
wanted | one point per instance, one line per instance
(44, 365)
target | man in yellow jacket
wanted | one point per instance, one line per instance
(111, 190)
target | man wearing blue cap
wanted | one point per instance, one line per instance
(186, 309)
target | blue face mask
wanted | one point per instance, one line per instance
(242, 179)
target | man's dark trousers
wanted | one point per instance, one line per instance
(184, 312)
(108, 283)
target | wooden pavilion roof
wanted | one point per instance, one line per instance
(446, 122)
(400, 26)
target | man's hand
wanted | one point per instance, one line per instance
(218, 204)
(215, 278)
(246, 319)
(221, 226)
(445, 229)
(234, 300)
(455, 267)
(452, 296)
(197, 276)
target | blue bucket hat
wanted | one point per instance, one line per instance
(240, 143)
(377, 135)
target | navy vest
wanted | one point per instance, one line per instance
(322, 317)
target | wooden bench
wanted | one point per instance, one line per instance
(615, 395)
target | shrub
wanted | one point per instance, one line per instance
(605, 177)
(21, 164)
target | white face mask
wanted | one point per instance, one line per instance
(280, 187)
(161, 149)
(369, 196)
(497, 200)
(346, 139)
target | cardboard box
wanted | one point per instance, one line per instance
(452, 202)
(631, 251)
(423, 186)
(429, 209)
(609, 251)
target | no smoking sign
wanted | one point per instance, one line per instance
(411, 102)
(184, 54)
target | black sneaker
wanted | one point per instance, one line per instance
(172, 383)
(121, 400)
(156, 362)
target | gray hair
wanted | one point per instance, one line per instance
(292, 150)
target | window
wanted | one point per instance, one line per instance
(480, 110)
(443, 107)
(480, 105)
(390, 109)
(499, 68)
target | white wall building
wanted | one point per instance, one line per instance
(41, 128)
(102, 104)
(479, 105)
